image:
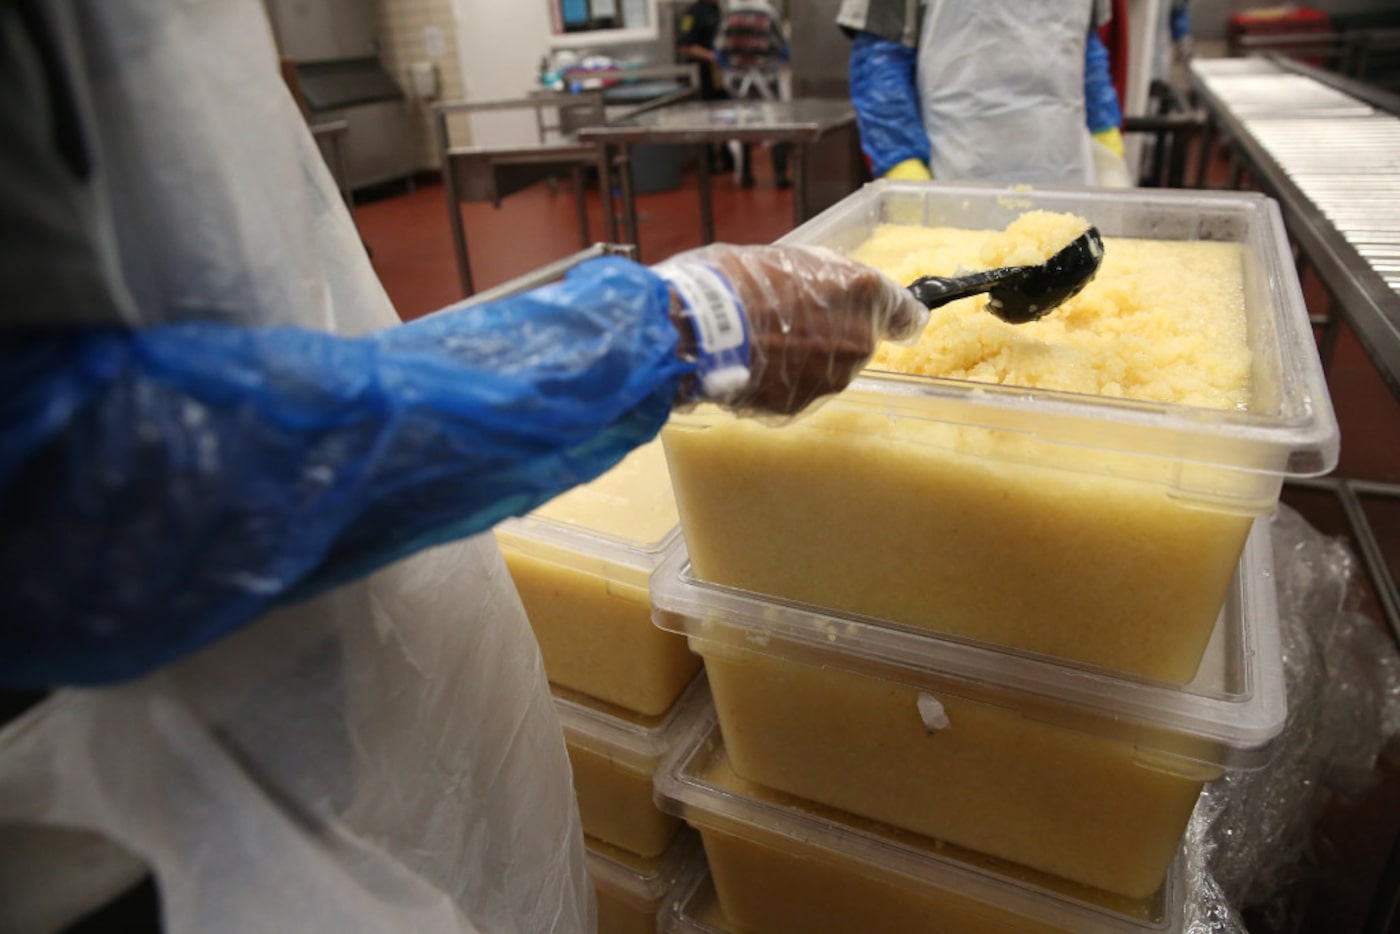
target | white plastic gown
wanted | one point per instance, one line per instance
(383, 758)
(1001, 86)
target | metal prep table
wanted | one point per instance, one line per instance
(1328, 150)
(826, 147)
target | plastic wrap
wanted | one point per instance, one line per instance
(886, 100)
(776, 328)
(1249, 840)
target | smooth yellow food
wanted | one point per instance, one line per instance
(591, 616)
(615, 802)
(996, 780)
(621, 911)
(772, 883)
(1109, 545)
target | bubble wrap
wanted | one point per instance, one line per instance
(1249, 839)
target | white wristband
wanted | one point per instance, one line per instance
(721, 328)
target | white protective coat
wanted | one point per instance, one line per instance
(1002, 90)
(383, 758)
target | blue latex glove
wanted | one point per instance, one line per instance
(1102, 111)
(160, 487)
(886, 100)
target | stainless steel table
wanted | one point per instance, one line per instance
(826, 147)
(489, 173)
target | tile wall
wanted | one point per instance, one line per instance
(412, 31)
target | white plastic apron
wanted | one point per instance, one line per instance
(1002, 90)
(383, 758)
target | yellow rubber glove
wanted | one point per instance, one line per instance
(1112, 139)
(911, 169)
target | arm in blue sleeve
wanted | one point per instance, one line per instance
(161, 487)
(886, 100)
(1180, 20)
(1102, 111)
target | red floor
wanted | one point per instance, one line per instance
(411, 249)
(411, 244)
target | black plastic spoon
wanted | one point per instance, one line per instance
(1020, 294)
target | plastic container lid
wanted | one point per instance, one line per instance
(646, 884)
(695, 909)
(1290, 429)
(618, 526)
(1227, 717)
(684, 787)
(626, 736)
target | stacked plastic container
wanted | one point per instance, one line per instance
(625, 691)
(975, 649)
(636, 895)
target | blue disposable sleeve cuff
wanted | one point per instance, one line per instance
(886, 100)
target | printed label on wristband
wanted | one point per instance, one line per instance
(721, 331)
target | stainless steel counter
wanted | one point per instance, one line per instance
(826, 147)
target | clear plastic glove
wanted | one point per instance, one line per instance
(774, 328)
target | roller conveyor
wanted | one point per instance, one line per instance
(1328, 150)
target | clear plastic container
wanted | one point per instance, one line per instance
(696, 909)
(1094, 529)
(1081, 773)
(615, 754)
(634, 893)
(782, 865)
(582, 564)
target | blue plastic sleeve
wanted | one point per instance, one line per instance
(886, 99)
(1102, 111)
(1180, 21)
(162, 487)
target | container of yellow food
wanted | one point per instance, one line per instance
(1042, 512)
(782, 865)
(582, 564)
(696, 908)
(1077, 772)
(634, 893)
(615, 754)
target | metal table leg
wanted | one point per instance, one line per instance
(1207, 140)
(459, 233)
(605, 192)
(707, 212)
(581, 202)
(629, 196)
(799, 183)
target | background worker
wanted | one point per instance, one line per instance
(984, 90)
(753, 55)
